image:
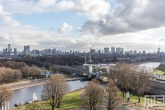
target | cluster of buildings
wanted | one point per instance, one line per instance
(118, 50)
(107, 50)
(36, 52)
(8, 50)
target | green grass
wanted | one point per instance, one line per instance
(134, 99)
(159, 72)
(70, 101)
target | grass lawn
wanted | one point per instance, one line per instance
(135, 99)
(159, 72)
(70, 101)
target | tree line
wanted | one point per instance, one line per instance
(131, 78)
(93, 94)
(123, 77)
(8, 75)
(11, 71)
(13, 64)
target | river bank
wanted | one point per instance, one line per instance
(26, 94)
(70, 101)
(31, 83)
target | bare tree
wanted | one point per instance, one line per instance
(123, 76)
(113, 100)
(134, 69)
(111, 74)
(33, 71)
(131, 77)
(9, 75)
(54, 90)
(5, 94)
(54, 69)
(93, 95)
(143, 82)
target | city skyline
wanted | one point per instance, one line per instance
(81, 24)
(105, 50)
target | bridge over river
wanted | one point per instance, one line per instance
(61, 67)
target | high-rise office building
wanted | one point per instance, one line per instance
(122, 50)
(26, 49)
(118, 50)
(9, 46)
(54, 51)
(106, 49)
(15, 51)
(9, 49)
(144, 52)
(5, 51)
(92, 50)
(135, 52)
(48, 51)
(112, 49)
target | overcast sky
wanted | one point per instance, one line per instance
(81, 24)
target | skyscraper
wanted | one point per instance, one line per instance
(15, 51)
(5, 51)
(106, 49)
(112, 49)
(118, 50)
(54, 51)
(26, 49)
(9, 49)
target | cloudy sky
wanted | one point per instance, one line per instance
(81, 24)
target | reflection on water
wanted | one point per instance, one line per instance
(151, 66)
(26, 94)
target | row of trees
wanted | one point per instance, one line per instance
(54, 69)
(131, 78)
(94, 96)
(8, 75)
(12, 64)
(56, 87)
(32, 71)
(11, 71)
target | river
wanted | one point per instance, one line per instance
(26, 94)
(150, 66)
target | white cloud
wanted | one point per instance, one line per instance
(2, 12)
(46, 3)
(128, 16)
(94, 10)
(65, 28)
(105, 27)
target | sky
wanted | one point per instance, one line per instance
(81, 24)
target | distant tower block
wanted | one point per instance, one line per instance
(90, 59)
(85, 60)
